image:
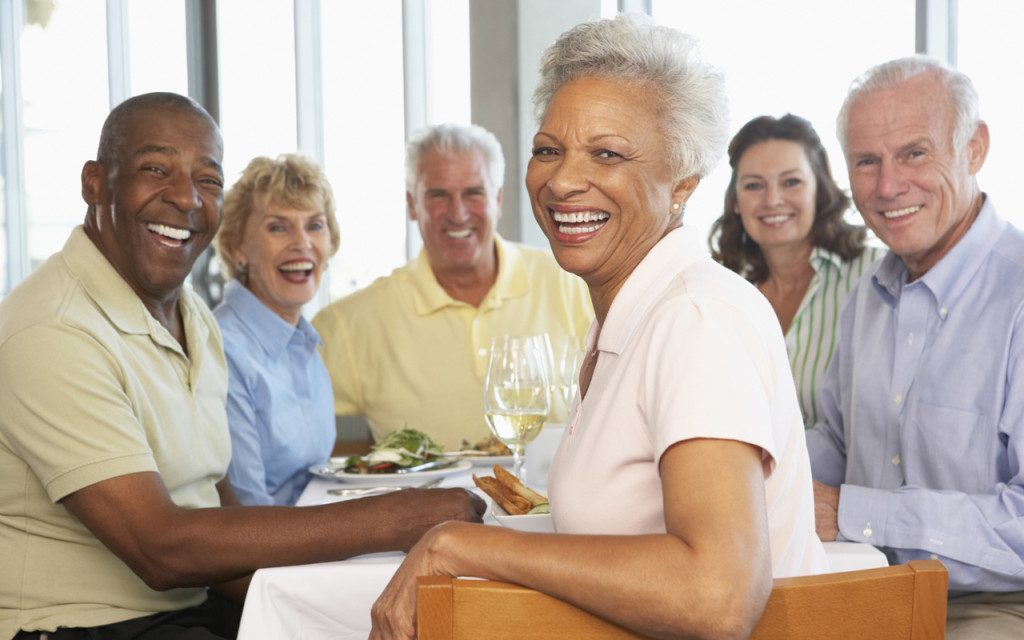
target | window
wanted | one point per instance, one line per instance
(795, 56)
(987, 52)
(256, 55)
(157, 57)
(364, 134)
(65, 99)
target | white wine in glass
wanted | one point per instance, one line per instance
(516, 396)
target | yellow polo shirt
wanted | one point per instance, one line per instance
(93, 387)
(402, 352)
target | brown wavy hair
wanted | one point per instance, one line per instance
(830, 230)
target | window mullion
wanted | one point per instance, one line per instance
(119, 81)
(12, 18)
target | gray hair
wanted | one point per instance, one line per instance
(886, 76)
(451, 138)
(632, 48)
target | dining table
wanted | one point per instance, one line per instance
(332, 600)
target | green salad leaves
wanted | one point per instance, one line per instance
(399, 449)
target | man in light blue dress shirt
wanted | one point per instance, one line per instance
(920, 445)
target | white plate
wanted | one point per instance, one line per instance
(535, 523)
(334, 470)
(482, 461)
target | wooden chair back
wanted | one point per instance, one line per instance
(904, 601)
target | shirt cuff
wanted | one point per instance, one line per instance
(862, 514)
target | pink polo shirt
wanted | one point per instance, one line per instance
(688, 350)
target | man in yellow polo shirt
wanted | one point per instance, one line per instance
(113, 432)
(412, 348)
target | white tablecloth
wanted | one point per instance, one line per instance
(331, 601)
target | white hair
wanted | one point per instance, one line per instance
(453, 138)
(632, 48)
(886, 76)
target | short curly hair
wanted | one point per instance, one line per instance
(693, 110)
(291, 180)
(830, 230)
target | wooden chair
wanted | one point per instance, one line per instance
(905, 601)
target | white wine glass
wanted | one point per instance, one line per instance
(516, 393)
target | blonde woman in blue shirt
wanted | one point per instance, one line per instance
(783, 229)
(277, 233)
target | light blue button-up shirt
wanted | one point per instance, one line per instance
(923, 411)
(280, 403)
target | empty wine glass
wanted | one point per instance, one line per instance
(566, 357)
(516, 394)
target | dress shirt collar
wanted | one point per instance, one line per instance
(951, 275)
(673, 253)
(119, 301)
(273, 332)
(821, 256)
(512, 281)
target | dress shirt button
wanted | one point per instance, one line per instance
(895, 459)
(910, 339)
(867, 531)
(898, 399)
(943, 312)
(481, 352)
(934, 556)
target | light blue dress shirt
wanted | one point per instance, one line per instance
(280, 404)
(923, 411)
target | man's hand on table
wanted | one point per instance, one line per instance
(826, 511)
(420, 509)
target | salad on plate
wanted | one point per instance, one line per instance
(399, 450)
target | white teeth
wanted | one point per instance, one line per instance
(585, 216)
(775, 219)
(297, 266)
(170, 232)
(578, 230)
(898, 213)
(462, 233)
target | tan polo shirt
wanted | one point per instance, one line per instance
(93, 387)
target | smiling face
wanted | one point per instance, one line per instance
(285, 251)
(456, 208)
(775, 194)
(600, 180)
(913, 189)
(157, 207)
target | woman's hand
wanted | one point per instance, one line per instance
(394, 613)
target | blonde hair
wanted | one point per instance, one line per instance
(292, 180)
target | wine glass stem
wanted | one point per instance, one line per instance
(517, 462)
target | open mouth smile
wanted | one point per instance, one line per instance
(899, 213)
(169, 236)
(297, 271)
(579, 222)
(458, 234)
(776, 219)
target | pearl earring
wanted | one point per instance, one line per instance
(675, 206)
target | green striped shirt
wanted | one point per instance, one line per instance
(812, 335)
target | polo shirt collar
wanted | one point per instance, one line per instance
(673, 253)
(512, 281)
(273, 331)
(118, 300)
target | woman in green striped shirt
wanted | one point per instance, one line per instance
(783, 229)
